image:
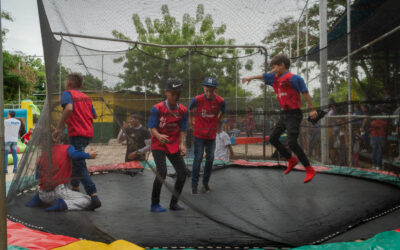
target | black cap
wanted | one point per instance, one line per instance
(174, 84)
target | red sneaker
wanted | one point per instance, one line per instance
(310, 173)
(292, 162)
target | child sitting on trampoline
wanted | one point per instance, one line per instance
(54, 179)
(288, 87)
(168, 123)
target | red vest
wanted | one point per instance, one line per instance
(206, 116)
(80, 122)
(288, 97)
(378, 128)
(60, 170)
(169, 125)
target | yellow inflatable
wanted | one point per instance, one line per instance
(90, 245)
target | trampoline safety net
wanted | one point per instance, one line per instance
(132, 56)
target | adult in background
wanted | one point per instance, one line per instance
(11, 130)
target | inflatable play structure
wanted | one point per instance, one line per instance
(25, 113)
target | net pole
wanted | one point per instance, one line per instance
(59, 74)
(3, 207)
(306, 12)
(349, 78)
(323, 41)
(298, 47)
(236, 89)
(102, 94)
(265, 109)
(190, 85)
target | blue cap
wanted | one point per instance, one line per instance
(210, 81)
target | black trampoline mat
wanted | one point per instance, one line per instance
(246, 207)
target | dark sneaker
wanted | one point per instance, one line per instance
(34, 202)
(194, 190)
(96, 203)
(206, 188)
(175, 207)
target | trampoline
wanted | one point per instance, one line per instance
(248, 207)
(125, 59)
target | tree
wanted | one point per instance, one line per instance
(24, 74)
(148, 66)
(6, 16)
(284, 30)
(367, 77)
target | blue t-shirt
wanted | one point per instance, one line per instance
(66, 98)
(154, 119)
(193, 103)
(296, 82)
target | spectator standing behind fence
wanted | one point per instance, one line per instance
(250, 122)
(223, 147)
(11, 129)
(378, 131)
(137, 139)
(356, 146)
(288, 87)
(396, 125)
(78, 113)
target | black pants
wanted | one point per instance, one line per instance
(290, 120)
(180, 167)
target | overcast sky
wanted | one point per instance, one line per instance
(24, 31)
(247, 21)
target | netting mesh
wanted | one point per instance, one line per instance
(248, 207)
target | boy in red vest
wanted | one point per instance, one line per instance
(209, 108)
(168, 123)
(54, 179)
(78, 113)
(288, 87)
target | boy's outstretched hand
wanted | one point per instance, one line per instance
(93, 154)
(246, 80)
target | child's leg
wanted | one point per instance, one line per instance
(73, 200)
(210, 149)
(297, 150)
(161, 165)
(79, 169)
(180, 167)
(274, 139)
(198, 157)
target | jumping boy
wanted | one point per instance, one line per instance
(168, 123)
(78, 113)
(54, 179)
(288, 87)
(208, 109)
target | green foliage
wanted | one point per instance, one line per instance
(5, 16)
(149, 65)
(24, 73)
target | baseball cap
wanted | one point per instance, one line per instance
(210, 81)
(174, 84)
